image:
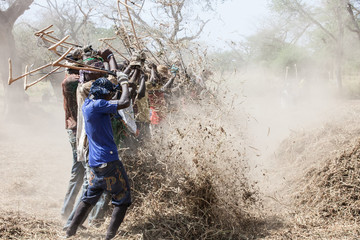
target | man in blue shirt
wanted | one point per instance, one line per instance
(107, 172)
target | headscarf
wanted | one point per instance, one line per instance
(101, 87)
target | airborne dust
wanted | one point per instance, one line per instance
(220, 167)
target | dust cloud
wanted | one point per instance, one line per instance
(36, 154)
(276, 108)
(222, 148)
(35, 158)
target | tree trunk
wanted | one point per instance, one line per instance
(14, 94)
(340, 44)
(339, 63)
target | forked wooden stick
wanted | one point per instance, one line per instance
(53, 47)
(41, 33)
(56, 39)
(26, 86)
(43, 30)
(84, 66)
(11, 80)
(56, 64)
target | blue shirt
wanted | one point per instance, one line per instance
(102, 148)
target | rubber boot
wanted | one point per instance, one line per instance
(80, 215)
(117, 217)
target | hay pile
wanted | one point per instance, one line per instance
(18, 225)
(333, 191)
(190, 179)
(322, 180)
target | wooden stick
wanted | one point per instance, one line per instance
(10, 72)
(126, 5)
(62, 57)
(132, 25)
(53, 47)
(26, 86)
(105, 39)
(52, 42)
(11, 80)
(80, 68)
(25, 78)
(56, 39)
(42, 36)
(109, 45)
(58, 64)
(48, 40)
(49, 32)
(152, 55)
(43, 30)
(123, 25)
(136, 4)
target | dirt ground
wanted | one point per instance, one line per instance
(35, 162)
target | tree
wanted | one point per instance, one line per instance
(72, 18)
(329, 19)
(10, 11)
(165, 26)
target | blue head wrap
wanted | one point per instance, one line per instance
(101, 87)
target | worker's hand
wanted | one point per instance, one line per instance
(105, 54)
(122, 78)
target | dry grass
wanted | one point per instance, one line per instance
(323, 194)
(191, 180)
(18, 225)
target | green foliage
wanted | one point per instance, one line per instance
(264, 46)
(288, 56)
(228, 60)
(28, 47)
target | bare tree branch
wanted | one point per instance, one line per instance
(353, 20)
(196, 35)
(311, 18)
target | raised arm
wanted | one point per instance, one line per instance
(154, 78)
(108, 57)
(169, 83)
(174, 70)
(124, 100)
(142, 86)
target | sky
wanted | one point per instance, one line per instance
(236, 19)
